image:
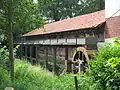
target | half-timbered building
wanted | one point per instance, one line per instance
(57, 45)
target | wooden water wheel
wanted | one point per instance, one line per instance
(80, 59)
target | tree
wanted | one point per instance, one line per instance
(62, 9)
(26, 17)
(6, 13)
(93, 5)
(17, 17)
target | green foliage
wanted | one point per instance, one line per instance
(116, 41)
(25, 17)
(105, 67)
(28, 77)
(113, 62)
(1, 36)
(93, 5)
(4, 78)
(62, 9)
(4, 57)
(104, 74)
(113, 66)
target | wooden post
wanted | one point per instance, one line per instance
(76, 35)
(50, 40)
(20, 56)
(26, 51)
(76, 81)
(31, 54)
(66, 58)
(36, 54)
(54, 62)
(46, 60)
(75, 77)
(66, 39)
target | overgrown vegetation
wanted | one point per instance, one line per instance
(20, 16)
(104, 74)
(4, 57)
(4, 78)
(61, 9)
(105, 68)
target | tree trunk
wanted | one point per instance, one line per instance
(11, 56)
(10, 41)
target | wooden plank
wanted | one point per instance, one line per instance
(47, 41)
(39, 61)
(31, 54)
(21, 51)
(91, 52)
(36, 50)
(81, 41)
(46, 60)
(26, 51)
(60, 41)
(71, 40)
(54, 60)
(68, 67)
(76, 35)
(53, 41)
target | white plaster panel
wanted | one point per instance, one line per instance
(80, 40)
(60, 41)
(112, 6)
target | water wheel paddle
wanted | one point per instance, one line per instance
(80, 59)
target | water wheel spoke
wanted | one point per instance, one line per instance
(80, 59)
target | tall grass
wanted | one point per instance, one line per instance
(4, 78)
(28, 77)
(104, 75)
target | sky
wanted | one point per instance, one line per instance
(35, 1)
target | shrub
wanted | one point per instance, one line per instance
(106, 75)
(4, 78)
(113, 67)
(4, 57)
(28, 77)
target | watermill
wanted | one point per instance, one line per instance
(80, 59)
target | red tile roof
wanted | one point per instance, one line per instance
(80, 22)
(37, 31)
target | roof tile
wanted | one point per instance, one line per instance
(80, 22)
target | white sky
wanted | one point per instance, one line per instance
(35, 1)
(111, 7)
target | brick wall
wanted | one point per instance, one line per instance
(112, 27)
